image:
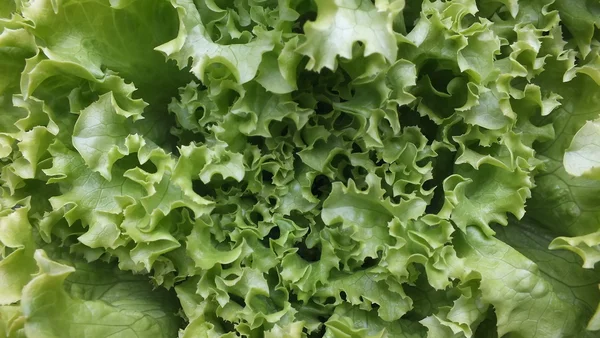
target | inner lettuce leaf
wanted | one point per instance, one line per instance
(299, 168)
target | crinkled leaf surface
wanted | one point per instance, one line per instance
(291, 168)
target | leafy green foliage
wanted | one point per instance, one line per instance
(299, 168)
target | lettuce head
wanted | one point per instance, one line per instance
(299, 168)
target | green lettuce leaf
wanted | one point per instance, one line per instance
(582, 158)
(341, 23)
(93, 302)
(523, 292)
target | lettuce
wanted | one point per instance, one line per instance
(299, 168)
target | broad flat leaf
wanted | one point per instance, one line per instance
(59, 299)
(582, 158)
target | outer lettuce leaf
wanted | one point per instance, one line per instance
(581, 18)
(527, 302)
(50, 298)
(566, 204)
(582, 158)
(46, 77)
(93, 304)
(579, 184)
(7, 9)
(110, 39)
(565, 274)
(585, 246)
